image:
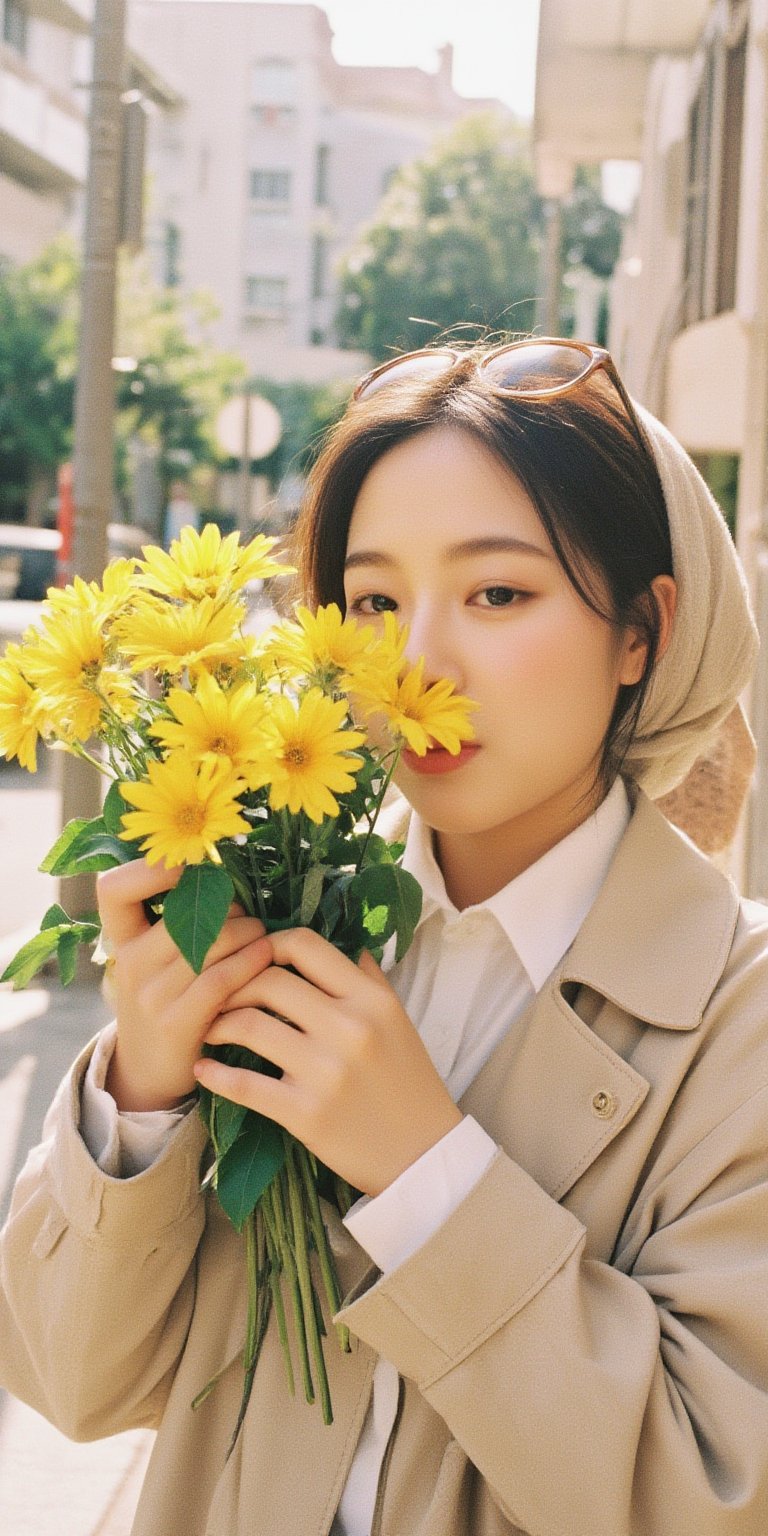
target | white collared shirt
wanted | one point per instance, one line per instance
(464, 982)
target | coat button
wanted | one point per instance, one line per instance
(604, 1104)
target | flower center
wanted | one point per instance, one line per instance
(295, 756)
(222, 745)
(190, 818)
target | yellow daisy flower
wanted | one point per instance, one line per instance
(422, 716)
(330, 651)
(205, 565)
(183, 810)
(20, 725)
(197, 636)
(105, 602)
(67, 661)
(214, 722)
(309, 754)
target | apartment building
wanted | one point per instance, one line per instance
(45, 66)
(43, 142)
(258, 182)
(682, 90)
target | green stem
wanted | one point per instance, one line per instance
(243, 890)
(285, 1244)
(259, 1300)
(275, 1267)
(301, 1249)
(256, 877)
(320, 1235)
(373, 818)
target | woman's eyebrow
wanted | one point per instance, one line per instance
(368, 557)
(485, 544)
(493, 543)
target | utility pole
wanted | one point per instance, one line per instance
(94, 394)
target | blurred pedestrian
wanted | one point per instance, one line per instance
(180, 512)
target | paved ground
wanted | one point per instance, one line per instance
(48, 1485)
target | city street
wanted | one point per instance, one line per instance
(48, 1485)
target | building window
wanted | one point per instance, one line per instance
(265, 297)
(273, 187)
(273, 92)
(319, 266)
(715, 134)
(171, 255)
(322, 164)
(15, 25)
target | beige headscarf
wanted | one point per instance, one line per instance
(714, 641)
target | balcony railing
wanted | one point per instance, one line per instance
(43, 135)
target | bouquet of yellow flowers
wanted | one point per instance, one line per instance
(240, 759)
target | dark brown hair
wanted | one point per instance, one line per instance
(595, 487)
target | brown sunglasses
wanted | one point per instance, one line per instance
(536, 369)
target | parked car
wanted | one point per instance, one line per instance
(28, 556)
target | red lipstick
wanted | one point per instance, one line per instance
(437, 760)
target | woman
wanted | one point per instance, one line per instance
(555, 1105)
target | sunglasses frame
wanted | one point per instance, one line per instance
(597, 357)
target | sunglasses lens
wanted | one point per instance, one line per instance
(425, 365)
(536, 368)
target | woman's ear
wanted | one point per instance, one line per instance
(664, 589)
(635, 647)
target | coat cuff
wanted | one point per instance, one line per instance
(165, 1193)
(494, 1253)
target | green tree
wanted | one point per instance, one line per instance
(591, 230)
(455, 241)
(170, 398)
(35, 392)
(307, 412)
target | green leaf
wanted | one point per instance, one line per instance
(375, 920)
(389, 886)
(311, 893)
(228, 1120)
(31, 958)
(54, 918)
(379, 851)
(248, 1167)
(55, 857)
(114, 809)
(104, 851)
(66, 955)
(195, 911)
(85, 846)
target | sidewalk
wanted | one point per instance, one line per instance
(50, 1486)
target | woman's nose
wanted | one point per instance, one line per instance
(430, 636)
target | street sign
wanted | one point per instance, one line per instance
(253, 437)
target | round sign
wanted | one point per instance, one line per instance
(262, 432)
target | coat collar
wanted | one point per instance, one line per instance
(656, 940)
(554, 1093)
(658, 936)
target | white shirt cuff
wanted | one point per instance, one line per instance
(394, 1224)
(121, 1144)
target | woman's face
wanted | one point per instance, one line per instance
(445, 537)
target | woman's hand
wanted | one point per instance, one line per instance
(358, 1087)
(163, 1008)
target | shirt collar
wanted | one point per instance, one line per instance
(542, 909)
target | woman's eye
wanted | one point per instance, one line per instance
(497, 597)
(372, 602)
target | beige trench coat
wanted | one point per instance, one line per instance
(583, 1345)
